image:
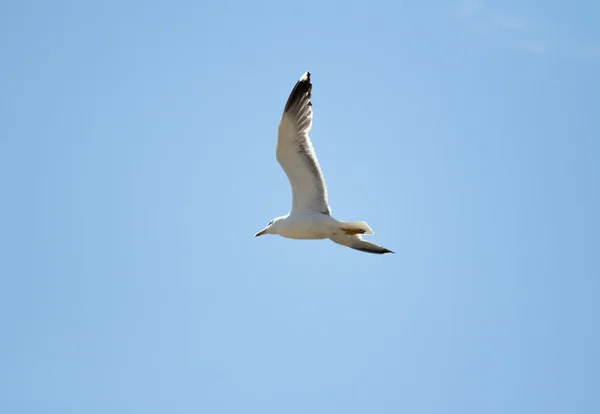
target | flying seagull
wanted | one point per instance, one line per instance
(310, 217)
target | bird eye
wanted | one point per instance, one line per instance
(270, 222)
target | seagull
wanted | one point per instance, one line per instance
(310, 216)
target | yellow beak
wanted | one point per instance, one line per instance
(260, 233)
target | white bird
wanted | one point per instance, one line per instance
(310, 216)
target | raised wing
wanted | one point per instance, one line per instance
(295, 152)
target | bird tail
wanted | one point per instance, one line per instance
(352, 228)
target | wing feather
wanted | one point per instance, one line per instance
(357, 243)
(296, 154)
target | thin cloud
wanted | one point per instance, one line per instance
(469, 7)
(526, 35)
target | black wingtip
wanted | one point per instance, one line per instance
(302, 88)
(383, 251)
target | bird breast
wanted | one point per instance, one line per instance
(308, 226)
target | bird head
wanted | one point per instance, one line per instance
(271, 227)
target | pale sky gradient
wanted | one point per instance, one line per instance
(137, 160)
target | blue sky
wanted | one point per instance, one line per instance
(137, 160)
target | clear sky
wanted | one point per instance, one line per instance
(137, 160)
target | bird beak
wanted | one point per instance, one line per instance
(260, 233)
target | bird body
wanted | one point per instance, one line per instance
(298, 225)
(310, 216)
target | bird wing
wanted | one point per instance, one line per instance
(356, 242)
(296, 154)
